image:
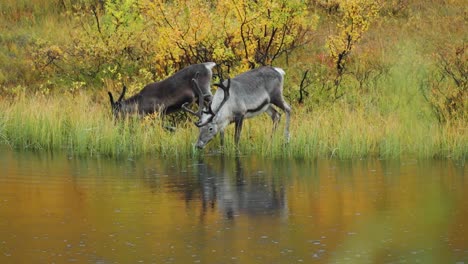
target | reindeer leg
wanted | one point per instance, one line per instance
(238, 121)
(287, 109)
(275, 117)
(163, 115)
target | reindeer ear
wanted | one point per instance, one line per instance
(123, 93)
(111, 98)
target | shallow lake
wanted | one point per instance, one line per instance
(60, 209)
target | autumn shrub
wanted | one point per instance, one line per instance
(343, 64)
(236, 34)
(355, 19)
(118, 39)
(396, 8)
(112, 43)
(446, 89)
(28, 26)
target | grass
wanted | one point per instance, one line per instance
(78, 126)
(83, 127)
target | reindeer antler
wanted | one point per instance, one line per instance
(226, 91)
(185, 108)
(199, 93)
(111, 98)
(226, 97)
(122, 94)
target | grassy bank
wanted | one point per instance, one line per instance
(403, 91)
(84, 127)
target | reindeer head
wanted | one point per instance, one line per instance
(208, 125)
(117, 106)
(207, 133)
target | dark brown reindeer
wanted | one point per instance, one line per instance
(244, 96)
(170, 95)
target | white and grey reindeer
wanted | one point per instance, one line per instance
(244, 96)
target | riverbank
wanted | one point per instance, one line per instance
(83, 126)
(397, 88)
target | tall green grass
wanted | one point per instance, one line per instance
(83, 127)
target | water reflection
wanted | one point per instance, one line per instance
(56, 208)
(233, 193)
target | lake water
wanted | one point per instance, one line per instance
(60, 209)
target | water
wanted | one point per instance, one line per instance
(58, 209)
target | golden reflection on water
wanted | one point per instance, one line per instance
(59, 209)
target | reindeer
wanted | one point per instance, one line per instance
(230, 190)
(245, 96)
(170, 95)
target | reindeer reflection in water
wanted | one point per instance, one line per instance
(233, 194)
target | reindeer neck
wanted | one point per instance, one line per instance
(132, 100)
(131, 104)
(223, 118)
